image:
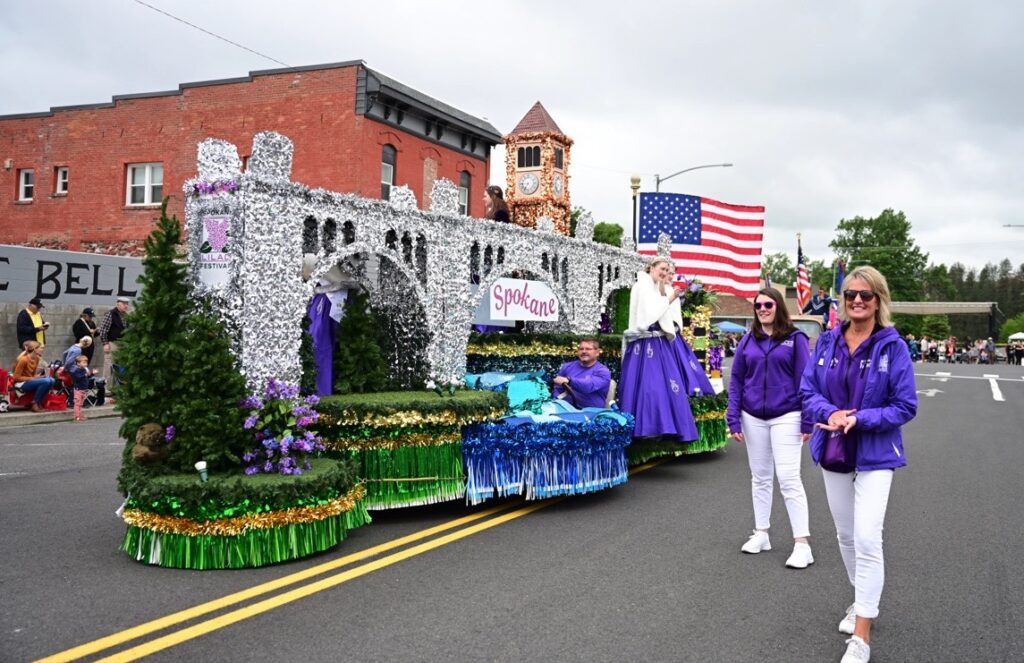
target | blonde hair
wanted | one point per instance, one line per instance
(650, 266)
(81, 358)
(86, 341)
(879, 286)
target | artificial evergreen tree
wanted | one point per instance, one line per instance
(179, 368)
(359, 365)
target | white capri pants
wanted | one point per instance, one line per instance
(858, 501)
(774, 447)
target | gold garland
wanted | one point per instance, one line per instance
(413, 440)
(410, 418)
(710, 415)
(535, 348)
(246, 523)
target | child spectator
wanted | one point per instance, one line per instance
(80, 374)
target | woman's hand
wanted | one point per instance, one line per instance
(843, 419)
(804, 437)
(738, 436)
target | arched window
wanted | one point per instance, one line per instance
(388, 157)
(559, 158)
(464, 180)
(521, 157)
(536, 156)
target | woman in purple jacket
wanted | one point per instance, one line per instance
(859, 390)
(764, 412)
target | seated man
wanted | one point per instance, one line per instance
(584, 382)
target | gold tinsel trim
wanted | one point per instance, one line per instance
(710, 415)
(538, 348)
(410, 418)
(412, 440)
(248, 522)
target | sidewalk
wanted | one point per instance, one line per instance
(19, 417)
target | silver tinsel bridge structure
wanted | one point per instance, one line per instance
(258, 230)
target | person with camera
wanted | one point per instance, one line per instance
(30, 324)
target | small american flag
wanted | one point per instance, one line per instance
(716, 242)
(803, 283)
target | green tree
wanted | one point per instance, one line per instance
(935, 326)
(885, 243)
(1011, 326)
(820, 275)
(780, 268)
(608, 233)
(179, 368)
(359, 364)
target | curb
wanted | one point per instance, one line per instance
(17, 418)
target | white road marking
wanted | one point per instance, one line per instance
(942, 379)
(946, 377)
(997, 393)
(930, 393)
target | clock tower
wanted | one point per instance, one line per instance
(537, 171)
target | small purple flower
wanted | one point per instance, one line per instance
(268, 467)
(312, 399)
(252, 469)
(250, 421)
(169, 433)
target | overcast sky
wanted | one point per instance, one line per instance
(827, 109)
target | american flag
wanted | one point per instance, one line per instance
(803, 283)
(716, 242)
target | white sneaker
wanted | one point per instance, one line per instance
(857, 651)
(849, 622)
(756, 543)
(801, 557)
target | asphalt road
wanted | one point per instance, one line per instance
(647, 571)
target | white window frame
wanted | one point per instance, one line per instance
(26, 185)
(61, 181)
(148, 184)
(387, 180)
(464, 193)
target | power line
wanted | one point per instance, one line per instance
(212, 34)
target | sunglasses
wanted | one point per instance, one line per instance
(764, 305)
(865, 295)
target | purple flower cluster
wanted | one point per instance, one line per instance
(715, 358)
(280, 419)
(169, 433)
(212, 188)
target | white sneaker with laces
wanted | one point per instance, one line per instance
(757, 542)
(849, 622)
(857, 651)
(801, 557)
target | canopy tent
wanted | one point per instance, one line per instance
(731, 328)
(1019, 336)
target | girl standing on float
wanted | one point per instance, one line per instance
(764, 413)
(659, 370)
(859, 389)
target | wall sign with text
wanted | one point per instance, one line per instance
(65, 277)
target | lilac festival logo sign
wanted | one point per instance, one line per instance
(214, 262)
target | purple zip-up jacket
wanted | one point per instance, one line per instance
(765, 379)
(889, 395)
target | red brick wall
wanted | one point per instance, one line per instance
(334, 149)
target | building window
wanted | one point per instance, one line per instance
(26, 184)
(245, 164)
(145, 183)
(528, 157)
(60, 180)
(388, 157)
(558, 158)
(464, 180)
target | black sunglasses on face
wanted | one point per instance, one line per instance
(764, 305)
(865, 295)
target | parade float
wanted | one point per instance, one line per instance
(369, 305)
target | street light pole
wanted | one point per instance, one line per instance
(634, 184)
(658, 179)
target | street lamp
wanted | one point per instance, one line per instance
(634, 184)
(658, 179)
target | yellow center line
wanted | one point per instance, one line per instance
(237, 597)
(221, 621)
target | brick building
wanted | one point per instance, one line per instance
(89, 177)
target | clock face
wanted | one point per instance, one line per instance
(528, 183)
(558, 184)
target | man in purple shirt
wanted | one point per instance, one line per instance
(584, 382)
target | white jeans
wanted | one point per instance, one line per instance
(774, 447)
(858, 501)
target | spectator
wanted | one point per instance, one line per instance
(86, 326)
(77, 349)
(111, 329)
(30, 324)
(29, 377)
(80, 374)
(495, 205)
(819, 304)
